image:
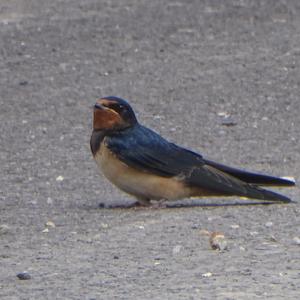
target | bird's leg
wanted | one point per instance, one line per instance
(148, 203)
(142, 202)
(159, 204)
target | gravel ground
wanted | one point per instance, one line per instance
(184, 66)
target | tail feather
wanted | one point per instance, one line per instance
(262, 194)
(253, 178)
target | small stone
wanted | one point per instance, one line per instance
(206, 275)
(296, 240)
(46, 230)
(223, 114)
(228, 121)
(24, 276)
(217, 241)
(50, 224)
(59, 178)
(269, 224)
(4, 229)
(235, 226)
(116, 257)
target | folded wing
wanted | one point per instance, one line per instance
(145, 150)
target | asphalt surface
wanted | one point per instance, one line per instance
(184, 66)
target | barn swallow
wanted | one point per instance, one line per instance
(145, 165)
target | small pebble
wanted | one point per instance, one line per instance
(223, 114)
(269, 224)
(206, 274)
(45, 230)
(228, 121)
(59, 178)
(4, 229)
(24, 276)
(296, 240)
(235, 226)
(217, 241)
(50, 224)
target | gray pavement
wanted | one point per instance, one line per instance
(183, 65)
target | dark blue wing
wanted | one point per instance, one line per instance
(145, 150)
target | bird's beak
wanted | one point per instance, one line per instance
(99, 106)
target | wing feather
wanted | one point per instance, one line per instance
(145, 150)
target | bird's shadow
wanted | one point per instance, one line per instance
(169, 205)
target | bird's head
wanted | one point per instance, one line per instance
(113, 113)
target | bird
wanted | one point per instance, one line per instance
(145, 165)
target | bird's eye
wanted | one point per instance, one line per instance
(120, 108)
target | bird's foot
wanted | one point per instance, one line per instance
(156, 204)
(151, 204)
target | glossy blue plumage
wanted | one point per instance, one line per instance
(144, 150)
